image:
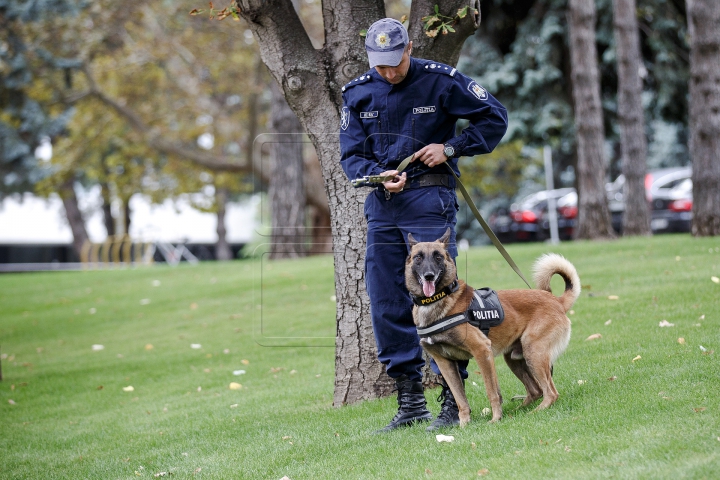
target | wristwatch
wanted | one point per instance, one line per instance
(449, 150)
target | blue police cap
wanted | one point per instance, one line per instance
(385, 41)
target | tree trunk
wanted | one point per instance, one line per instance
(593, 213)
(126, 212)
(311, 81)
(73, 214)
(704, 19)
(108, 219)
(286, 190)
(222, 249)
(636, 220)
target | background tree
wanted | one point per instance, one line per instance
(704, 19)
(633, 143)
(593, 213)
(286, 187)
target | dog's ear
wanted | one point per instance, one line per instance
(446, 237)
(411, 240)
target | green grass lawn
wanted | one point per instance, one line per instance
(636, 403)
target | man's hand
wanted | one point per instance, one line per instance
(397, 184)
(431, 155)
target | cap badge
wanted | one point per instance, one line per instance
(382, 40)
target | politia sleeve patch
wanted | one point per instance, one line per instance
(479, 92)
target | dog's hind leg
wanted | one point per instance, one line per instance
(538, 364)
(519, 368)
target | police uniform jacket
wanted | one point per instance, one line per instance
(382, 123)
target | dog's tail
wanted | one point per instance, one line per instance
(550, 264)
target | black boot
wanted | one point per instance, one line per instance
(449, 415)
(411, 403)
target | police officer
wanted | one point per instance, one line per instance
(401, 106)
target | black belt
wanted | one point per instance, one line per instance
(428, 180)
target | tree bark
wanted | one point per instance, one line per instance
(703, 19)
(593, 214)
(311, 81)
(108, 219)
(286, 190)
(636, 219)
(73, 215)
(222, 248)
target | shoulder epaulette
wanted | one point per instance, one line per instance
(357, 81)
(440, 68)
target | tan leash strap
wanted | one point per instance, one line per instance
(486, 227)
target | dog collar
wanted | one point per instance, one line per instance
(422, 301)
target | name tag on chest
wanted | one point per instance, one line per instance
(372, 114)
(430, 109)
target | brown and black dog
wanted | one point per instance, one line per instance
(533, 335)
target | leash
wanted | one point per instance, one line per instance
(370, 180)
(486, 227)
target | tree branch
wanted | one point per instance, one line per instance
(442, 48)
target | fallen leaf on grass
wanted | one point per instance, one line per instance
(594, 336)
(100, 387)
(235, 386)
(160, 474)
(613, 378)
(97, 348)
(428, 471)
(149, 346)
(444, 438)
(665, 323)
(197, 470)
(276, 369)
(286, 437)
(703, 348)
(582, 382)
(613, 297)
(144, 301)
(195, 346)
(234, 405)
(193, 306)
(636, 358)
(702, 317)
(11, 402)
(485, 412)
(608, 322)
(245, 362)
(715, 279)
(238, 372)
(699, 409)
(681, 341)
(129, 388)
(482, 472)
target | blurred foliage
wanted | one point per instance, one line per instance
(26, 115)
(182, 76)
(520, 54)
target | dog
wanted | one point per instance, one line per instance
(533, 334)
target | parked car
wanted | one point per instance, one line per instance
(669, 192)
(567, 210)
(527, 219)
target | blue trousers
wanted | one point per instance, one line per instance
(426, 213)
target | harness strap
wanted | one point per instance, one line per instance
(443, 324)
